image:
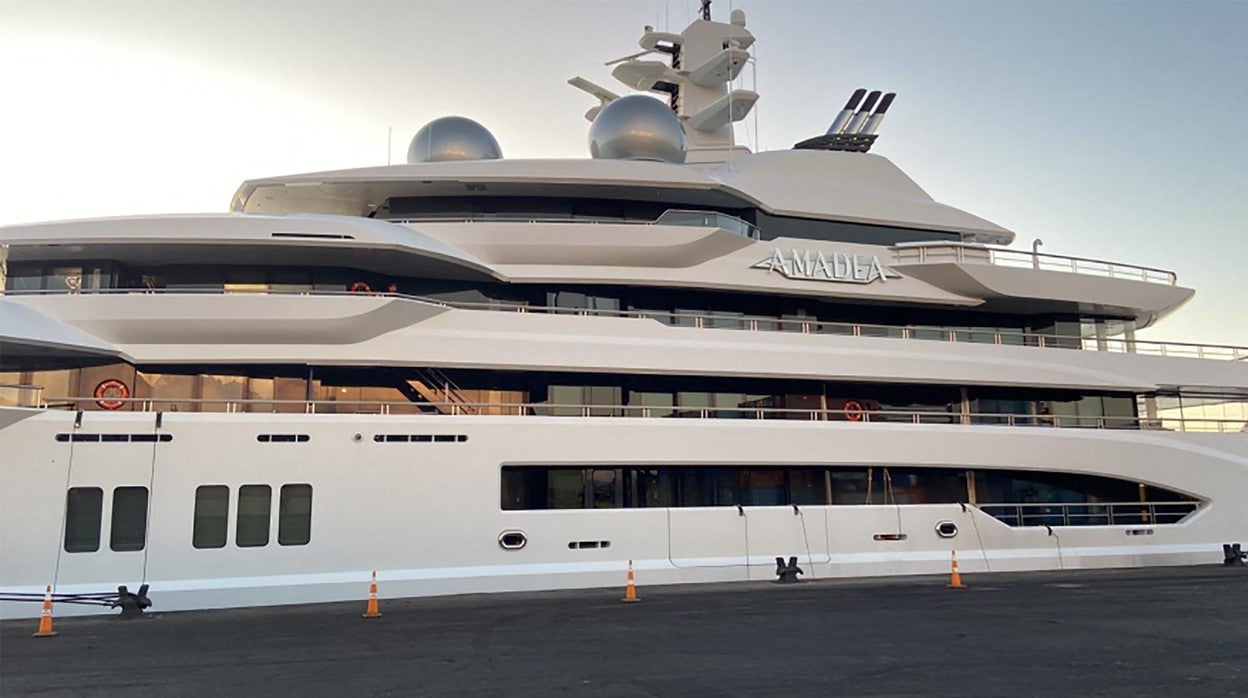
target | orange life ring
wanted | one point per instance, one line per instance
(854, 411)
(360, 287)
(111, 394)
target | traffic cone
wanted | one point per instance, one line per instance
(955, 579)
(45, 617)
(630, 591)
(372, 611)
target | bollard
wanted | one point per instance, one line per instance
(787, 574)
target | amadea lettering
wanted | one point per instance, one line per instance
(845, 268)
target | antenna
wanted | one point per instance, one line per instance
(706, 10)
(389, 139)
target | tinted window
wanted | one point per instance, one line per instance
(254, 502)
(294, 515)
(212, 509)
(129, 523)
(83, 509)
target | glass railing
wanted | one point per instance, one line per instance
(1090, 513)
(709, 219)
(848, 415)
(964, 253)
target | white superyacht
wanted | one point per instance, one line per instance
(472, 374)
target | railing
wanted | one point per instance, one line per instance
(21, 395)
(760, 323)
(547, 409)
(1090, 514)
(923, 252)
(674, 216)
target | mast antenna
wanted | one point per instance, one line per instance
(706, 10)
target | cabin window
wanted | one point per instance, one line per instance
(129, 523)
(212, 513)
(254, 504)
(83, 509)
(294, 515)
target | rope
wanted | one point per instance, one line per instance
(747, 541)
(106, 598)
(889, 496)
(1061, 563)
(975, 523)
(151, 499)
(69, 469)
(810, 559)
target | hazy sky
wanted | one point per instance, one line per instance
(1112, 130)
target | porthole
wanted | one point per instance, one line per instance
(946, 529)
(512, 540)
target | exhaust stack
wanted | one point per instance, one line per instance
(853, 129)
(861, 116)
(873, 123)
(838, 124)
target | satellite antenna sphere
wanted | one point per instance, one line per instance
(637, 127)
(453, 138)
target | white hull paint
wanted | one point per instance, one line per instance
(427, 516)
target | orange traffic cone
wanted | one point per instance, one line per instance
(630, 591)
(372, 611)
(45, 617)
(955, 579)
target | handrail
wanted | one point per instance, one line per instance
(758, 323)
(923, 252)
(549, 409)
(28, 395)
(1089, 513)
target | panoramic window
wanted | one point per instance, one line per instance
(1015, 497)
(254, 503)
(129, 524)
(83, 509)
(294, 515)
(212, 510)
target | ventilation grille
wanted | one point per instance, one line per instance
(420, 438)
(115, 438)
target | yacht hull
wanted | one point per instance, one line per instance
(427, 515)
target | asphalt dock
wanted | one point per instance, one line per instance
(1155, 632)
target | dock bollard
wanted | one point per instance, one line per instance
(955, 579)
(45, 616)
(372, 611)
(630, 591)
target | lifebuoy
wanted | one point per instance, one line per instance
(111, 394)
(360, 287)
(854, 411)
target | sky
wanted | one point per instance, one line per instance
(1113, 130)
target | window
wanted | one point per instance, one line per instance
(254, 503)
(294, 515)
(212, 513)
(129, 524)
(83, 509)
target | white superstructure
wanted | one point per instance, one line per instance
(471, 373)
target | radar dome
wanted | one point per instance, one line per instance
(637, 127)
(453, 138)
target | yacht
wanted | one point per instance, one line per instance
(469, 373)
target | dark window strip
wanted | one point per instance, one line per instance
(114, 438)
(420, 438)
(283, 438)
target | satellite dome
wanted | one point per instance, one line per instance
(637, 127)
(453, 138)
